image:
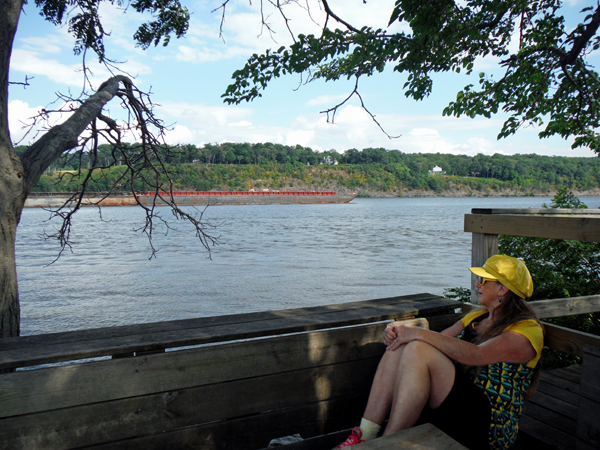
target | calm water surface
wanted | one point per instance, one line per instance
(271, 257)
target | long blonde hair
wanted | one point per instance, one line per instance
(512, 309)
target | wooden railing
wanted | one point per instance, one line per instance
(558, 223)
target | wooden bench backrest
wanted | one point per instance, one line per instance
(588, 419)
(230, 396)
(228, 392)
(235, 395)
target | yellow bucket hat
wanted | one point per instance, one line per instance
(509, 271)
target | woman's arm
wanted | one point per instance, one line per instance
(454, 330)
(509, 346)
(389, 334)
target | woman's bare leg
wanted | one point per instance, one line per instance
(383, 387)
(424, 374)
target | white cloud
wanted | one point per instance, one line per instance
(24, 130)
(182, 135)
(299, 137)
(207, 54)
(32, 64)
(326, 100)
(29, 62)
(241, 123)
(204, 116)
(244, 32)
(20, 114)
(46, 44)
(424, 133)
(354, 128)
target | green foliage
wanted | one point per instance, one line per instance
(458, 293)
(233, 165)
(546, 81)
(560, 269)
(169, 17)
(564, 198)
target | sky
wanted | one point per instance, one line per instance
(188, 77)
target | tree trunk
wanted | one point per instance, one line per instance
(9, 295)
(18, 176)
(12, 181)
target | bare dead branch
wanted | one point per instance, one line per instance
(143, 162)
(329, 12)
(22, 83)
(331, 112)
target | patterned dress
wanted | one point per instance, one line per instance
(505, 383)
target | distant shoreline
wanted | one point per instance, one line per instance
(57, 202)
(463, 193)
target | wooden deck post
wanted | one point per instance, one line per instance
(482, 247)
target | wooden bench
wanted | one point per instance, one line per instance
(422, 437)
(588, 418)
(228, 382)
(247, 379)
(565, 412)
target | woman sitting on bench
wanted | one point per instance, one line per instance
(471, 379)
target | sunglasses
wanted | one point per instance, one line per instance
(483, 280)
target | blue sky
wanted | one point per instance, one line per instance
(189, 76)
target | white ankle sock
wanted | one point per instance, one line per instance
(369, 429)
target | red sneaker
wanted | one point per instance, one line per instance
(353, 439)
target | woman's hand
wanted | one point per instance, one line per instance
(401, 335)
(389, 334)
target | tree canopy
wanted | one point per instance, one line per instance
(546, 81)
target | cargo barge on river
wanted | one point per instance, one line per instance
(194, 198)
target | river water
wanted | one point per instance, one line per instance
(271, 257)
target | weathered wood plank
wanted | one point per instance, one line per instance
(546, 309)
(560, 388)
(571, 373)
(66, 386)
(560, 394)
(588, 422)
(71, 385)
(550, 417)
(558, 307)
(142, 415)
(568, 340)
(557, 409)
(535, 431)
(550, 436)
(590, 374)
(210, 321)
(14, 354)
(421, 437)
(544, 211)
(554, 227)
(483, 246)
(585, 446)
(249, 433)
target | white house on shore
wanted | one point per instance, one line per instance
(437, 170)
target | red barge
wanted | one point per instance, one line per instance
(196, 198)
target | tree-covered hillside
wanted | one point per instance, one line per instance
(371, 171)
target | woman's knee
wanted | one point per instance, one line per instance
(391, 359)
(423, 354)
(419, 350)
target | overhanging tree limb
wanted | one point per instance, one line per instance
(63, 137)
(443, 36)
